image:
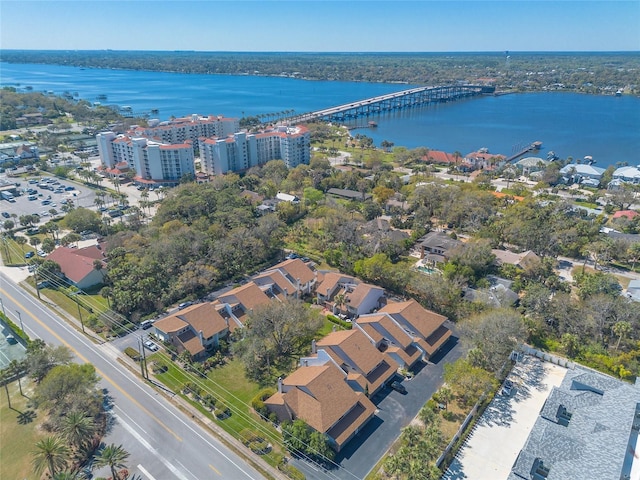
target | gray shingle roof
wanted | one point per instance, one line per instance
(594, 442)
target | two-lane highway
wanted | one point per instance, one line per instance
(163, 442)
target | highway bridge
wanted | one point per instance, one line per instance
(413, 97)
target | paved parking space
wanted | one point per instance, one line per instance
(80, 195)
(496, 440)
(10, 349)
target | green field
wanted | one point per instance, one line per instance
(230, 385)
(19, 433)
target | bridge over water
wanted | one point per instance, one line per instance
(413, 97)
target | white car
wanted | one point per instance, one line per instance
(151, 346)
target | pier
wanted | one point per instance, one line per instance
(529, 148)
(405, 99)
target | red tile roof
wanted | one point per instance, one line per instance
(76, 263)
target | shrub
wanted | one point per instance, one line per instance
(248, 436)
(159, 367)
(209, 401)
(338, 321)
(258, 401)
(132, 353)
(222, 413)
(260, 447)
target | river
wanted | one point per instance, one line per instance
(604, 127)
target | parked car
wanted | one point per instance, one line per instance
(6, 214)
(398, 387)
(29, 255)
(151, 346)
(507, 388)
(184, 305)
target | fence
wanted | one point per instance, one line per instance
(461, 430)
(547, 357)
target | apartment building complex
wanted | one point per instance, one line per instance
(242, 151)
(165, 151)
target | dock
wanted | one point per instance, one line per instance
(529, 148)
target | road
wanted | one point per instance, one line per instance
(163, 442)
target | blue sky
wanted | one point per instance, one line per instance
(317, 26)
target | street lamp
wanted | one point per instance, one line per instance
(20, 319)
(2, 305)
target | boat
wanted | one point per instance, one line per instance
(372, 124)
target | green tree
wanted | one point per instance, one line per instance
(78, 428)
(51, 453)
(494, 335)
(65, 384)
(468, 382)
(81, 219)
(274, 334)
(112, 456)
(621, 329)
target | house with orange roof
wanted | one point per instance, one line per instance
(389, 337)
(321, 397)
(78, 265)
(298, 273)
(196, 329)
(352, 350)
(426, 327)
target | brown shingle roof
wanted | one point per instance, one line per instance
(330, 280)
(170, 324)
(249, 296)
(296, 269)
(353, 348)
(203, 317)
(277, 278)
(321, 397)
(359, 293)
(191, 342)
(415, 317)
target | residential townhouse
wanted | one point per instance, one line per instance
(241, 301)
(197, 329)
(298, 274)
(320, 396)
(368, 369)
(390, 338)
(426, 327)
(437, 246)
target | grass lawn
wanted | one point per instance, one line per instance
(624, 281)
(12, 252)
(18, 434)
(230, 385)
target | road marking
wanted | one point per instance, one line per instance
(214, 469)
(131, 420)
(98, 371)
(153, 451)
(145, 473)
(169, 411)
(185, 468)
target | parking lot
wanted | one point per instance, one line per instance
(40, 194)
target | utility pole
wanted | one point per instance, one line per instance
(143, 360)
(35, 278)
(19, 318)
(75, 297)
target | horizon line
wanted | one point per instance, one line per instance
(502, 52)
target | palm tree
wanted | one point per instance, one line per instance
(67, 476)
(622, 329)
(77, 428)
(112, 456)
(21, 241)
(340, 301)
(51, 453)
(16, 369)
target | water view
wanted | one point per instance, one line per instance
(604, 127)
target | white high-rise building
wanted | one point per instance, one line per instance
(241, 151)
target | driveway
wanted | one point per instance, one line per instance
(394, 412)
